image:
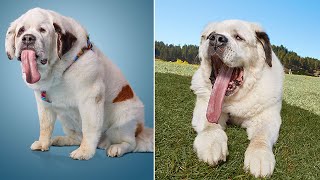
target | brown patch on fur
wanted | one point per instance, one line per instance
(9, 56)
(46, 127)
(84, 144)
(46, 133)
(20, 32)
(258, 144)
(265, 41)
(98, 98)
(64, 41)
(9, 35)
(125, 94)
(139, 129)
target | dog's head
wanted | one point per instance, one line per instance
(235, 44)
(235, 52)
(40, 38)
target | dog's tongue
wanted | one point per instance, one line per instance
(217, 94)
(29, 66)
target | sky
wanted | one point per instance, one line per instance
(294, 24)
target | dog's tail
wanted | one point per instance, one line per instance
(144, 139)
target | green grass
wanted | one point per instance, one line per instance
(300, 91)
(297, 150)
(175, 68)
(303, 92)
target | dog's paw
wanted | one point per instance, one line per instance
(57, 141)
(82, 154)
(40, 146)
(259, 162)
(64, 141)
(115, 150)
(211, 146)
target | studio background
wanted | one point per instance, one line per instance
(123, 30)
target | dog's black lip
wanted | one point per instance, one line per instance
(28, 48)
(44, 61)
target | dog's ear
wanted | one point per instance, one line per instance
(10, 40)
(65, 40)
(263, 38)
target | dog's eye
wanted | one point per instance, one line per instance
(21, 30)
(42, 30)
(239, 38)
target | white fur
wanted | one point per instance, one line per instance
(255, 106)
(82, 96)
(211, 145)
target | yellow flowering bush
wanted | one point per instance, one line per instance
(179, 61)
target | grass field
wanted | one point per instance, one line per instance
(297, 149)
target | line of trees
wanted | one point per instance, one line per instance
(297, 64)
(170, 52)
(290, 60)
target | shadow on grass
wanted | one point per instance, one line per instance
(296, 150)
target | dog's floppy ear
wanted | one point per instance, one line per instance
(65, 40)
(10, 40)
(263, 38)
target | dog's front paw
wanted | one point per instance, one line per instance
(82, 154)
(260, 162)
(115, 150)
(40, 146)
(211, 146)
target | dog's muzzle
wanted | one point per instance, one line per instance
(217, 40)
(28, 39)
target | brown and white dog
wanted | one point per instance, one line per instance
(74, 82)
(240, 79)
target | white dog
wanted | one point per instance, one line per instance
(240, 80)
(74, 82)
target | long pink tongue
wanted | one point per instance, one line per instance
(29, 66)
(217, 94)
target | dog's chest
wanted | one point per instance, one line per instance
(235, 120)
(61, 96)
(63, 102)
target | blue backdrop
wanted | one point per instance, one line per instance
(123, 30)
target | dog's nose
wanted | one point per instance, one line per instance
(28, 39)
(217, 39)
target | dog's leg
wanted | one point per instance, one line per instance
(122, 139)
(104, 142)
(65, 141)
(262, 132)
(72, 138)
(121, 134)
(47, 119)
(211, 141)
(92, 116)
